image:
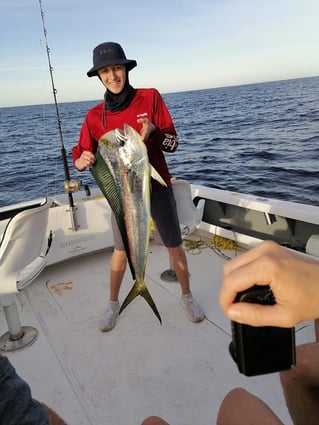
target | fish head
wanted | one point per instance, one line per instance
(112, 140)
(124, 145)
(132, 149)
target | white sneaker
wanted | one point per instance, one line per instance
(108, 320)
(194, 311)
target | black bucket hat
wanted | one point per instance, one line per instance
(109, 54)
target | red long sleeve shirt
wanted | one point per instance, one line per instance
(147, 103)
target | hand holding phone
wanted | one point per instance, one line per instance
(264, 349)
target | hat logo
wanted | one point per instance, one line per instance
(106, 51)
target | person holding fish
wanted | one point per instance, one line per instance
(114, 129)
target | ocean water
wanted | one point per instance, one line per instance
(261, 139)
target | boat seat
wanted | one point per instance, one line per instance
(189, 216)
(21, 261)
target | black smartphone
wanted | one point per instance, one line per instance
(264, 349)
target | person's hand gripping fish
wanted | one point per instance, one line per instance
(87, 158)
(147, 128)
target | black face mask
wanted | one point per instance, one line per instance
(120, 101)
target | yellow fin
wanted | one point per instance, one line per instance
(139, 288)
(157, 176)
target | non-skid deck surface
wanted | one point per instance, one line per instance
(180, 370)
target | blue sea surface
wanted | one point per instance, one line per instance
(261, 139)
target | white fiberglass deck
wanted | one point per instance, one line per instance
(180, 370)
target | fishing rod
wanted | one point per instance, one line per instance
(70, 186)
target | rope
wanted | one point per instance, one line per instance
(217, 243)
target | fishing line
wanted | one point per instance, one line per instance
(69, 185)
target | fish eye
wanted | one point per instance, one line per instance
(120, 138)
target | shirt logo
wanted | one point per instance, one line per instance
(144, 114)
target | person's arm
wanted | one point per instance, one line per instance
(82, 154)
(293, 278)
(161, 130)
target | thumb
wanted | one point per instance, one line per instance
(256, 314)
(142, 120)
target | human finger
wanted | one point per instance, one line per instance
(262, 315)
(294, 283)
(88, 158)
(143, 120)
(255, 272)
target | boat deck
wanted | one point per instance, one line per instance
(180, 371)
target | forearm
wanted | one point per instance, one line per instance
(167, 141)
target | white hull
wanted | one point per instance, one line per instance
(234, 215)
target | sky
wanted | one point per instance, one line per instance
(178, 44)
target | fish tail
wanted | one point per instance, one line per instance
(139, 288)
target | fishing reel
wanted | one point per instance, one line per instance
(71, 186)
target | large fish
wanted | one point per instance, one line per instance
(123, 173)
